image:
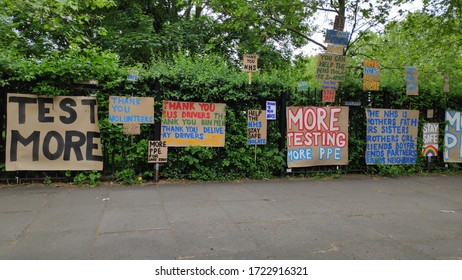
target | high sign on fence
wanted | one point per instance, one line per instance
(412, 81)
(131, 109)
(52, 133)
(328, 95)
(339, 22)
(270, 110)
(132, 128)
(371, 75)
(331, 67)
(337, 37)
(303, 86)
(333, 85)
(335, 49)
(193, 124)
(446, 83)
(250, 63)
(317, 136)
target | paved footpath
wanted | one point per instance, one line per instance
(354, 217)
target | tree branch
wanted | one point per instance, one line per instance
(354, 26)
(327, 10)
(297, 32)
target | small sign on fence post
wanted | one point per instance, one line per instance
(250, 65)
(157, 153)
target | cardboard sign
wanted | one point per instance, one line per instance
(133, 75)
(270, 110)
(157, 152)
(391, 136)
(430, 139)
(193, 124)
(328, 95)
(317, 136)
(371, 75)
(331, 67)
(52, 133)
(339, 23)
(430, 113)
(132, 129)
(453, 137)
(352, 103)
(250, 63)
(412, 81)
(131, 109)
(88, 82)
(333, 85)
(337, 37)
(303, 86)
(335, 49)
(256, 127)
(446, 84)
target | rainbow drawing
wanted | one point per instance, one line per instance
(430, 151)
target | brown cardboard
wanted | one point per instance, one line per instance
(132, 128)
(317, 136)
(193, 124)
(331, 67)
(157, 152)
(250, 63)
(52, 133)
(131, 109)
(256, 127)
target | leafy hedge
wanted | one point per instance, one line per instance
(206, 79)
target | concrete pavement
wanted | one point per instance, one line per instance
(355, 217)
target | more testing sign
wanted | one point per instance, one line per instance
(317, 136)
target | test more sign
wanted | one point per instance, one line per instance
(52, 133)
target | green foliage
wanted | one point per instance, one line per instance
(47, 180)
(337, 174)
(127, 176)
(93, 179)
(395, 170)
(47, 48)
(319, 175)
(89, 178)
(80, 179)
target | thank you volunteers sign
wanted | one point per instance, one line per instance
(131, 109)
(52, 133)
